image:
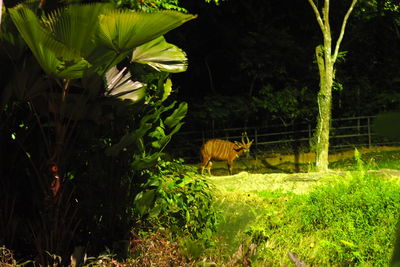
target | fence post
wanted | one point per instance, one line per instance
(256, 140)
(369, 132)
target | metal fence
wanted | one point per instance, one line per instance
(345, 133)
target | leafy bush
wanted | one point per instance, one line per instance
(177, 198)
(350, 222)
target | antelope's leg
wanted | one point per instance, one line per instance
(205, 163)
(209, 165)
(230, 167)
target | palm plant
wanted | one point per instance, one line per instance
(81, 41)
(59, 85)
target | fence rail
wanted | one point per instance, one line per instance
(344, 133)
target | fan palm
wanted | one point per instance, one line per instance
(81, 40)
(73, 41)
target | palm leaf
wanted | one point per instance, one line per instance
(122, 86)
(123, 30)
(54, 57)
(76, 25)
(71, 41)
(161, 55)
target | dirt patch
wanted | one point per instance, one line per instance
(297, 182)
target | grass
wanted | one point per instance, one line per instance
(344, 218)
(279, 213)
(374, 160)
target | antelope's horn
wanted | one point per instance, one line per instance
(244, 135)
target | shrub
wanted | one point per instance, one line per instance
(177, 198)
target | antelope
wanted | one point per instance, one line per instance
(223, 150)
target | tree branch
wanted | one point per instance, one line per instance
(1, 9)
(326, 12)
(325, 17)
(342, 30)
(317, 15)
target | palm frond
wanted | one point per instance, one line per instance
(55, 57)
(35, 36)
(76, 25)
(120, 84)
(161, 55)
(122, 30)
(79, 38)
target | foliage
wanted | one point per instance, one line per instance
(7, 258)
(224, 111)
(348, 222)
(175, 197)
(153, 5)
(63, 122)
(114, 159)
(276, 45)
(288, 104)
(373, 160)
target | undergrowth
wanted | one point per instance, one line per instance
(374, 161)
(350, 222)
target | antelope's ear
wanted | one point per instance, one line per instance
(251, 142)
(237, 143)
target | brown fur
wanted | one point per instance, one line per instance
(222, 150)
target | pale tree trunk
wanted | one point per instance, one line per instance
(326, 66)
(324, 99)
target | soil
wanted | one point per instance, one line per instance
(286, 182)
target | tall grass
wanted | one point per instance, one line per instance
(349, 222)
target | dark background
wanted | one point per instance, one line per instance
(252, 63)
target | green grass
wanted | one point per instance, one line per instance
(240, 212)
(374, 161)
(351, 222)
(336, 220)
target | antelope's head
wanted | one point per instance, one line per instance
(245, 144)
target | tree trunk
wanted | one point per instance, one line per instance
(326, 61)
(321, 138)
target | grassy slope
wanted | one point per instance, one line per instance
(247, 198)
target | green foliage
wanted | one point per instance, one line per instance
(350, 222)
(55, 110)
(372, 161)
(68, 48)
(286, 104)
(149, 5)
(116, 175)
(177, 198)
(161, 55)
(153, 5)
(150, 137)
